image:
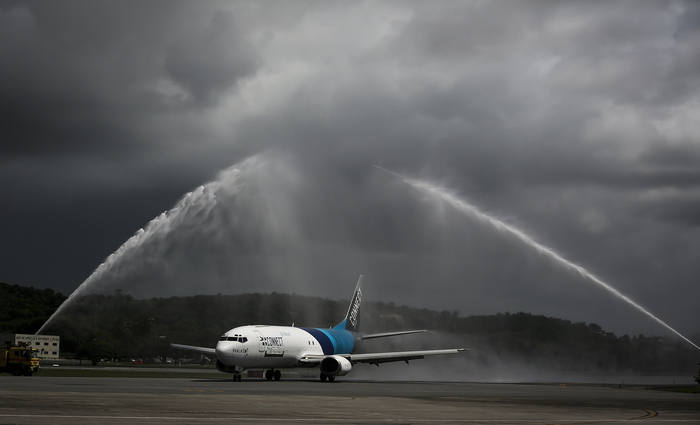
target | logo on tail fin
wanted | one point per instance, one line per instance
(352, 318)
(354, 315)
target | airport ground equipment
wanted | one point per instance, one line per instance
(19, 359)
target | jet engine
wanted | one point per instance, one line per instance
(335, 366)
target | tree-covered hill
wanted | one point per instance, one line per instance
(122, 326)
(23, 310)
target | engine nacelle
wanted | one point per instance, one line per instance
(336, 366)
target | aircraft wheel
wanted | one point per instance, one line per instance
(331, 378)
(323, 377)
(268, 375)
(277, 375)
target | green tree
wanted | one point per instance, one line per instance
(95, 351)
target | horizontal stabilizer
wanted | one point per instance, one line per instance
(202, 350)
(386, 334)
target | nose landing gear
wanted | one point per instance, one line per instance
(236, 377)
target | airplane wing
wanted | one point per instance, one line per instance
(202, 350)
(376, 358)
(386, 334)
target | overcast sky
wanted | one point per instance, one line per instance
(577, 122)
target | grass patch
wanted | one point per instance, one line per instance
(109, 373)
(695, 389)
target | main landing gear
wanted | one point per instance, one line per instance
(236, 377)
(330, 378)
(271, 373)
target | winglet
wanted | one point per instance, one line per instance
(352, 318)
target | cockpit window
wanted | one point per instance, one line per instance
(234, 338)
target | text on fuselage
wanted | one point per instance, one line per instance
(274, 341)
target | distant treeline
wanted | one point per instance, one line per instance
(24, 310)
(98, 326)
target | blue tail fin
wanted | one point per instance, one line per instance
(352, 318)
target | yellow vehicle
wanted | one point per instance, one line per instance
(19, 360)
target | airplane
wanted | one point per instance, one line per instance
(284, 347)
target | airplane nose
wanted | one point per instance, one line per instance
(226, 348)
(222, 349)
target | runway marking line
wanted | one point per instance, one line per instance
(650, 414)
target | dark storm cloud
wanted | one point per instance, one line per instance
(91, 77)
(65, 87)
(576, 121)
(209, 63)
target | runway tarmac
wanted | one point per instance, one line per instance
(53, 400)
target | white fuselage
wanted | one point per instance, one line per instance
(332, 350)
(262, 346)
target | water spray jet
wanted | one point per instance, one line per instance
(196, 203)
(473, 211)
